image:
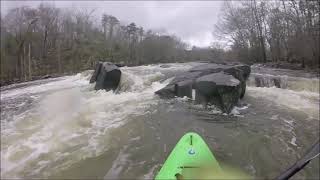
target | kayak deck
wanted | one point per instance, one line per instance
(191, 158)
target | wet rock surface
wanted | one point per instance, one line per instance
(219, 89)
(220, 85)
(106, 75)
(96, 72)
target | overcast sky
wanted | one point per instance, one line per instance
(192, 21)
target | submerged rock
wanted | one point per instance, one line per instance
(106, 75)
(221, 85)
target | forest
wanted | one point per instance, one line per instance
(54, 41)
(273, 31)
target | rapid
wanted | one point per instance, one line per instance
(62, 128)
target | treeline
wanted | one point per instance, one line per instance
(272, 31)
(48, 40)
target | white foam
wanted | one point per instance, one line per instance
(65, 82)
(293, 141)
(151, 173)
(235, 112)
(303, 101)
(69, 115)
(117, 165)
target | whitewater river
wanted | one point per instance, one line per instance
(62, 128)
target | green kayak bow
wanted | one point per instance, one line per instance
(191, 158)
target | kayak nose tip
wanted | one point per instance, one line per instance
(191, 151)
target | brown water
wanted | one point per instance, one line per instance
(61, 128)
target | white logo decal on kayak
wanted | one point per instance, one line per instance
(191, 151)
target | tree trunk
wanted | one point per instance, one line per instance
(286, 32)
(24, 64)
(21, 67)
(21, 63)
(45, 43)
(105, 31)
(17, 67)
(261, 39)
(29, 63)
(59, 57)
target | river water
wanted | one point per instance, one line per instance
(62, 128)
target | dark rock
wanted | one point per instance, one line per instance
(200, 99)
(277, 82)
(46, 76)
(214, 68)
(121, 64)
(167, 92)
(246, 70)
(107, 77)
(209, 68)
(209, 83)
(242, 90)
(186, 76)
(96, 72)
(180, 89)
(217, 84)
(241, 76)
(178, 85)
(241, 72)
(184, 88)
(219, 89)
(165, 66)
(258, 81)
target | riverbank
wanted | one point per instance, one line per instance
(290, 66)
(34, 78)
